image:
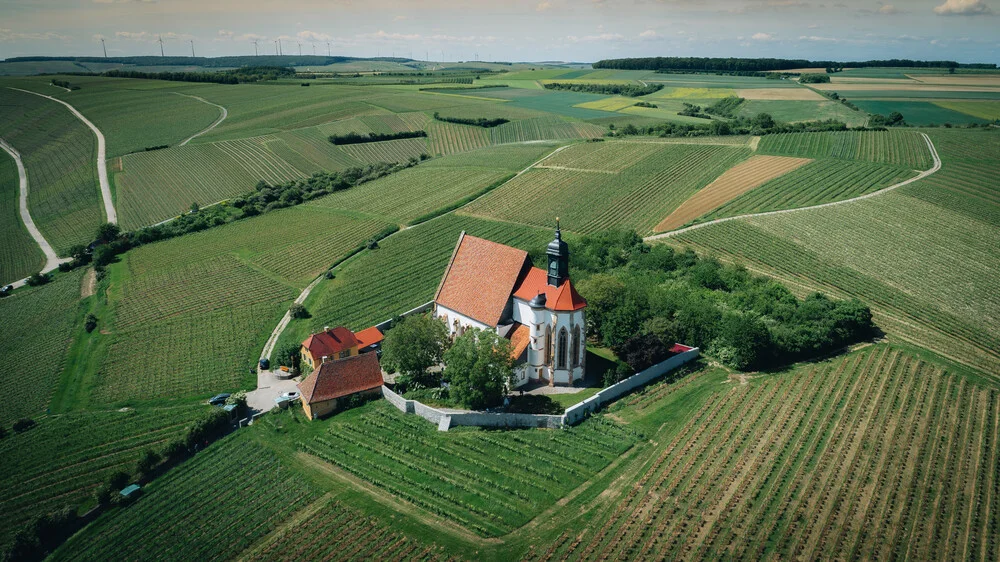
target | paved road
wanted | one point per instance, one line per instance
(102, 168)
(269, 387)
(221, 118)
(52, 261)
(922, 175)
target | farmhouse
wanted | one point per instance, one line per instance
(334, 381)
(338, 343)
(491, 286)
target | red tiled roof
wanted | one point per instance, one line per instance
(331, 342)
(480, 278)
(678, 348)
(561, 298)
(369, 336)
(519, 340)
(342, 378)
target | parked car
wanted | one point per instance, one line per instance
(293, 395)
(219, 399)
(6, 290)
(265, 364)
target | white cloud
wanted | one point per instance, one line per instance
(400, 18)
(888, 9)
(762, 37)
(649, 34)
(543, 6)
(817, 39)
(306, 35)
(133, 35)
(963, 8)
(8, 35)
(383, 36)
(224, 34)
(602, 37)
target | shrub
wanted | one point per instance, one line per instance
(118, 480)
(147, 463)
(103, 494)
(23, 424)
(298, 311)
(38, 279)
(91, 323)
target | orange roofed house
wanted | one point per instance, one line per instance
(335, 381)
(338, 343)
(495, 287)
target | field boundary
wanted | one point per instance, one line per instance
(52, 261)
(225, 113)
(102, 169)
(920, 176)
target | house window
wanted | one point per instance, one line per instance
(345, 353)
(548, 346)
(562, 349)
(575, 351)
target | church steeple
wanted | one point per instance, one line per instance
(558, 253)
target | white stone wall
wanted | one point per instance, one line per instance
(451, 316)
(537, 320)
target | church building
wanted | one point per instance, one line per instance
(495, 287)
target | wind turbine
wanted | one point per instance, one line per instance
(276, 47)
(160, 39)
(327, 48)
(300, 49)
(192, 48)
(314, 49)
(255, 47)
(105, 47)
(281, 51)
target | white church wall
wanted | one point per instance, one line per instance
(463, 320)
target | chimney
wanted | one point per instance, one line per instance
(325, 357)
(326, 328)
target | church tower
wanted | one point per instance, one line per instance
(558, 253)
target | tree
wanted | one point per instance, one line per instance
(413, 346)
(743, 341)
(147, 462)
(642, 351)
(194, 207)
(90, 323)
(38, 279)
(104, 255)
(479, 369)
(289, 356)
(108, 232)
(763, 121)
(298, 311)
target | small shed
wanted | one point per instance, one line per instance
(131, 491)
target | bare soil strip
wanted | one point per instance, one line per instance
(922, 175)
(736, 181)
(102, 169)
(221, 118)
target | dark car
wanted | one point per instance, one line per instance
(265, 364)
(219, 399)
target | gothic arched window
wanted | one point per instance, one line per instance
(562, 349)
(548, 346)
(575, 351)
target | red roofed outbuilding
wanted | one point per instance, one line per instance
(337, 343)
(324, 390)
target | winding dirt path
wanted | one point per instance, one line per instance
(922, 175)
(102, 169)
(221, 118)
(52, 261)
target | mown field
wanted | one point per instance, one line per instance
(919, 113)
(611, 184)
(20, 255)
(875, 455)
(58, 153)
(202, 305)
(34, 337)
(62, 460)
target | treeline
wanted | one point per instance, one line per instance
(477, 122)
(357, 138)
(642, 299)
(760, 124)
(762, 64)
(236, 76)
(64, 84)
(726, 107)
(811, 78)
(629, 90)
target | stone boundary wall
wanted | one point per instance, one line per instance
(447, 420)
(382, 326)
(577, 412)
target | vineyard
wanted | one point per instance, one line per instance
(34, 337)
(822, 181)
(20, 255)
(609, 156)
(206, 312)
(489, 482)
(543, 128)
(902, 148)
(589, 200)
(387, 151)
(62, 460)
(508, 157)
(58, 152)
(212, 507)
(413, 192)
(736, 181)
(446, 138)
(402, 274)
(872, 456)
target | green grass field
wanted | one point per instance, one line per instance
(919, 113)
(62, 460)
(821, 181)
(989, 110)
(58, 152)
(34, 338)
(20, 255)
(796, 111)
(624, 185)
(903, 148)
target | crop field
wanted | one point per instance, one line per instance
(614, 103)
(988, 110)
(919, 113)
(560, 102)
(402, 274)
(387, 151)
(591, 200)
(34, 337)
(62, 460)
(544, 128)
(58, 152)
(447, 138)
(796, 111)
(180, 517)
(903, 148)
(488, 482)
(779, 94)
(872, 456)
(681, 93)
(206, 312)
(736, 181)
(509, 157)
(610, 157)
(822, 181)
(20, 255)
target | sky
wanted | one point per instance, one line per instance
(510, 30)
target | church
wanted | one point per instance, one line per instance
(496, 287)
